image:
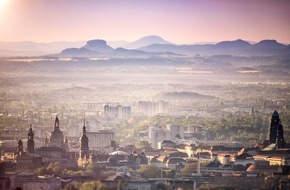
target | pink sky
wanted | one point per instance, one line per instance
(179, 21)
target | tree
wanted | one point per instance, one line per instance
(161, 186)
(120, 185)
(93, 186)
(143, 144)
(149, 171)
(189, 169)
(41, 171)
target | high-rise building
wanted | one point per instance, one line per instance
(176, 131)
(153, 108)
(100, 140)
(276, 131)
(158, 134)
(117, 112)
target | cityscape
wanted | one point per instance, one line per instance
(136, 96)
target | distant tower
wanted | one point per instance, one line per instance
(276, 131)
(30, 141)
(56, 123)
(280, 142)
(84, 140)
(66, 144)
(20, 148)
(46, 141)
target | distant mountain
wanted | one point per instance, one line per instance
(233, 44)
(78, 52)
(27, 48)
(127, 53)
(98, 46)
(269, 44)
(147, 46)
(234, 48)
(184, 96)
(145, 41)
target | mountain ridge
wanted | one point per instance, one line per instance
(146, 40)
(239, 47)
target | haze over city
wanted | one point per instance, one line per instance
(144, 95)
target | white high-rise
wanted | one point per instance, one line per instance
(176, 131)
(158, 134)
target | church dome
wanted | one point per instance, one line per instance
(56, 135)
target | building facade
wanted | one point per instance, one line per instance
(101, 140)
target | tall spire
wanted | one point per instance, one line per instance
(20, 147)
(84, 126)
(84, 141)
(56, 122)
(30, 133)
(46, 141)
(30, 141)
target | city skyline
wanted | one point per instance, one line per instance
(181, 22)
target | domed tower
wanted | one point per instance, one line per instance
(276, 131)
(56, 138)
(84, 141)
(20, 148)
(30, 141)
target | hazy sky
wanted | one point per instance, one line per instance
(179, 21)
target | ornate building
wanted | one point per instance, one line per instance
(56, 137)
(84, 154)
(28, 159)
(30, 141)
(276, 131)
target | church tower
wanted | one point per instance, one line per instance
(56, 137)
(56, 123)
(276, 131)
(30, 141)
(20, 148)
(84, 141)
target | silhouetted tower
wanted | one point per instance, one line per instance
(56, 123)
(276, 131)
(30, 141)
(20, 148)
(280, 142)
(84, 140)
(46, 141)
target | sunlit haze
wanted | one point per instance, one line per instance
(182, 21)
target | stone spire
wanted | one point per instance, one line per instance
(84, 141)
(30, 141)
(56, 122)
(20, 148)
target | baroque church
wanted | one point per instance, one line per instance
(84, 154)
(29, 158)
(56, 137)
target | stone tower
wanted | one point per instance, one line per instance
(20, 148)
(30, 141)
(84, 141)
(276, 131)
